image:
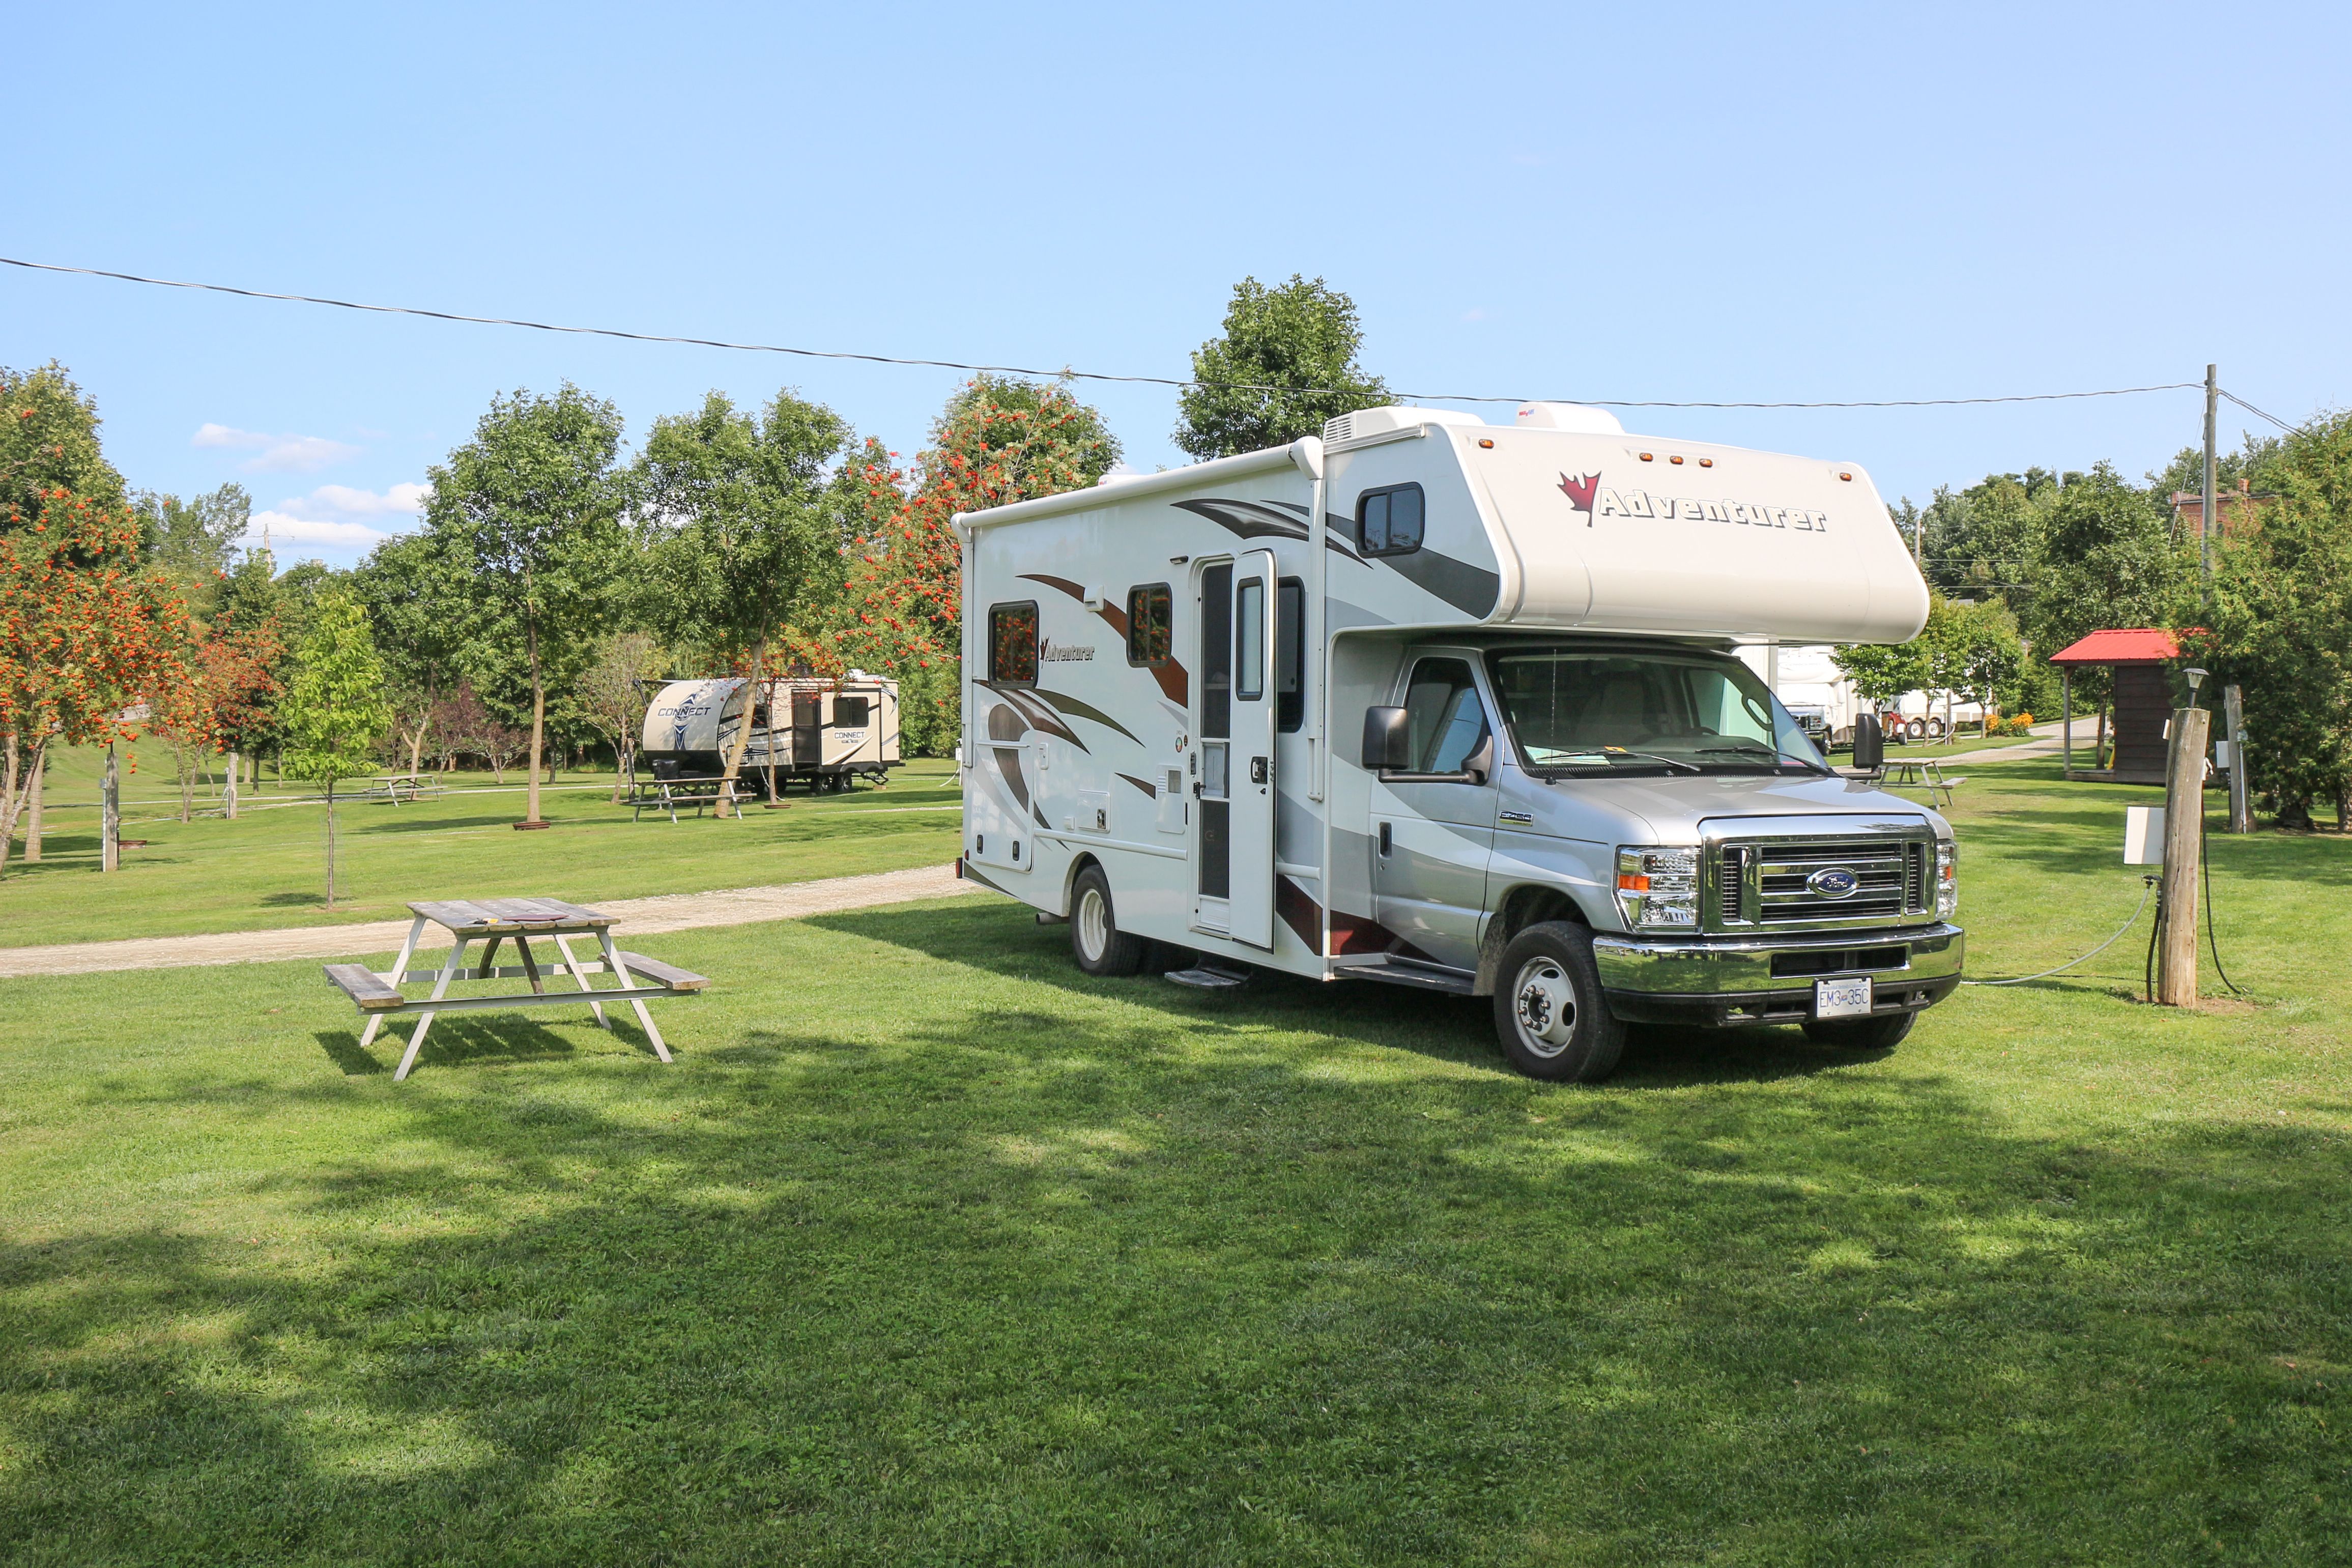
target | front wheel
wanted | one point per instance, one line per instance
(1096, 940)
(1549, 1013)
(1883, 1033)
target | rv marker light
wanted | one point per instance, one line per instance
(1676, 461)
(1489, 445)
(1706, 462)
(1645, 458)
(1845, 476)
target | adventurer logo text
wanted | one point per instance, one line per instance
(1594, 499)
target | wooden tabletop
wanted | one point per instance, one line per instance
(490, 916)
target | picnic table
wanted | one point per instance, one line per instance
(495, 920)
(670, 789)
(392, 787)
(1923, 772)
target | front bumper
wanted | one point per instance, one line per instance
(1754, 980)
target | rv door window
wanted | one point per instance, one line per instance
(1291, 654)
(1151, 624)
(1444, 715)
(1249, 641)
(849, 713)
(1012, 644)
(1388, 521)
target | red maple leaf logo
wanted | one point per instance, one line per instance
(1580, 493)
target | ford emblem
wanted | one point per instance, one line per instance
(1834, 882)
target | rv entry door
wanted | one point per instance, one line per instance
(1232, 850)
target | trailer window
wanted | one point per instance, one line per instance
(1151, 624)
(1388, 521)
(1291, 654)
(849, 713)
(1012, 644)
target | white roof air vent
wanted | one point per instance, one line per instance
(1573, 416)
(1388, 418)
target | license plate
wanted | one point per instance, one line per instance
(1841, 998)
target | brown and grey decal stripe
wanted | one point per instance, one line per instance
(1174, 684)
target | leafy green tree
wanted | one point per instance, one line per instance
(194, 541)
(418, 614)
(333, 711)
(49, 441)
(2107, 559)
(1882, 672)
(736, 529)
(1286, 364)
(2282, 624)
(528, 513)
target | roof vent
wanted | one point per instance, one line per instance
(1575, 416)
(1388, 418)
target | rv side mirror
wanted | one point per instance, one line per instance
(1869, 744)
(1388, 739)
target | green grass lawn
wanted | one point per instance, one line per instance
(930, 1250)
(269, 867)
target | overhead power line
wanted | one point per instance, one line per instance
(1028, 370)
(2250, 408)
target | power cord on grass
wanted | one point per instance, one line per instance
(2147, 885)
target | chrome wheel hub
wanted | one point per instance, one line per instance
(1544, 1004)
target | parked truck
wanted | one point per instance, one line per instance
(1457, 707)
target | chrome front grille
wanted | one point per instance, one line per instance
(1795, 882)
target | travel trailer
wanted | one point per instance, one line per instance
(1458, 706)
(831, 731)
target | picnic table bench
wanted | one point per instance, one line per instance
(670, 789)
(393, 787)
(495, 920)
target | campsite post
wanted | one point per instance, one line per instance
(2184, 821)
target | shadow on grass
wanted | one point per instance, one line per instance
(432, 824)
(294, 900)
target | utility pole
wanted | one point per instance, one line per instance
(2205, 539)
(2184, 832)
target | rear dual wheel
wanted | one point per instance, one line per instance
(1096, 940)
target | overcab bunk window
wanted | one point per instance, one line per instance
(1012, 643)
(1151, 624)
(1388, 522)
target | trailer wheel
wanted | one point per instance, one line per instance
(1096, 940)
(1551, 1015)
(1884, 1033)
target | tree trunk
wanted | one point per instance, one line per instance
(8, 796)
(727, 806)
(2099, 747)
(40, 764)
(417, 744)
(330, 843)
(236, 776)
(185, 757)
(538, 723)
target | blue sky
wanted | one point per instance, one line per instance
(1653, 202)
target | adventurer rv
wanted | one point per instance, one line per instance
(1458, 706)
(832, 731)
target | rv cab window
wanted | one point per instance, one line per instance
(1388, 522)
(1012, 644)
(1151, 624)
(1442, 714)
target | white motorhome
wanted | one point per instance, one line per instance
(1457, 707)
(823, 732)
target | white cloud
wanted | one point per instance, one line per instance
(331, 516)
(276, 453)
(283, 528)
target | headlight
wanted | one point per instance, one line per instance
(1658, 887)
(1947, 877)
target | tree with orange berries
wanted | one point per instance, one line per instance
(85, 630)
(1000, 440)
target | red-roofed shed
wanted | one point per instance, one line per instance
(2142, 659)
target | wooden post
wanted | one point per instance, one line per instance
(2066, 715)
(2233, 720)
(109, 815)
(2184, 819)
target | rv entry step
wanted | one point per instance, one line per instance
(1210, 976)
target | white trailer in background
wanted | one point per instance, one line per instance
(821, 732)
(1457, 707)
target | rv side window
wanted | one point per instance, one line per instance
(1291, 654)
(1151, 624)
(1249, 641)
(1012, 644)
(1447, 722)
(1388, 522)
(849, 713)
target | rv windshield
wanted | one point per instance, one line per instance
(1576, 710)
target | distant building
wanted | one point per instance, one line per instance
(2241, 510)
(2141, 659)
